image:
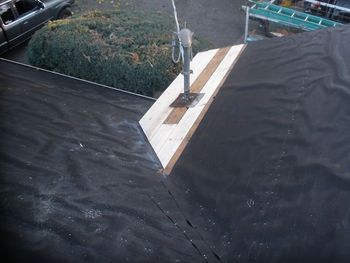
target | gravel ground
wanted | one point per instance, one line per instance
(221, 22)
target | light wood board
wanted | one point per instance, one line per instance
(169, 129)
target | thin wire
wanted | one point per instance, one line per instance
(181, 51)
(175, 15)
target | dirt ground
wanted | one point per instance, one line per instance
(221, 22)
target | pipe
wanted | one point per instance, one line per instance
(185, 37)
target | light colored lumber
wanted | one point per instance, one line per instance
(175, 115)
(169, 129)
(233, 55)
(160, 110)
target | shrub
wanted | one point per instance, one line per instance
(126, 50)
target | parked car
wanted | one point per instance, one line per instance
(19, 19)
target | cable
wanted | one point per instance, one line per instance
(175, 15)
(181, 51)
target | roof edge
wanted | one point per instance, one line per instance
(75, 78)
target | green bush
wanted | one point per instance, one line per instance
(126, 50)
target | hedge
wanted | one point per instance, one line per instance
(125, 50)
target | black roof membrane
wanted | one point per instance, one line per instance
(265, 178)
(266, 175)
(79, 182)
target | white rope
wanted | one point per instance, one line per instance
(175, 15)
(181, 51)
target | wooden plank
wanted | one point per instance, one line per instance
(236, 52)
(178, 134)
(159, 111)
(209, 70)
(177, 113)
(169, 139)
(160, 138)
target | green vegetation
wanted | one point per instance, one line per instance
(126, 50)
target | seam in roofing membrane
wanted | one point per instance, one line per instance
(75, 78)
(173, 221)
(188, 221)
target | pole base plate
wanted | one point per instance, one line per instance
(187, 100)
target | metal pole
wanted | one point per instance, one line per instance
(187, 70)
(185, 36)
(246, 25)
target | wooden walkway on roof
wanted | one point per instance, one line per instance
(168, 129)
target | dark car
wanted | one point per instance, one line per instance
(19, 19)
